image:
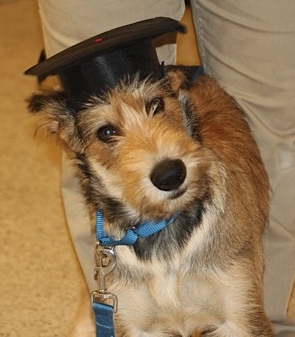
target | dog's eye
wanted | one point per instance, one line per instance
(106, 133)
(156, 105)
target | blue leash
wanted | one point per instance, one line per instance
(104, 321)
(106, 262)
(104, 312)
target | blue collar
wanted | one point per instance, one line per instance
(141, 231)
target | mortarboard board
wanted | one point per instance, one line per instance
(101, 62)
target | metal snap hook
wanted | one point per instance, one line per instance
(106, 262)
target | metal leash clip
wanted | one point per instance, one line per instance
(106, 262)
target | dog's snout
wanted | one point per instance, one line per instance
(168, 175)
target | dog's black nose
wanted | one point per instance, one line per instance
(169, 174)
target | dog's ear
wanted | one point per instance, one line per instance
(56, 118)
(183, 77)
(177, 77)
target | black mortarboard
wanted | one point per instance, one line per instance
(101, 62)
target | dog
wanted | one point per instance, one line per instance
(177, 148)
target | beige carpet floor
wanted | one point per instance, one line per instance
(40, 279)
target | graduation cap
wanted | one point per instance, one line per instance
(97, 64)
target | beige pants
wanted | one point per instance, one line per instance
(249, 47)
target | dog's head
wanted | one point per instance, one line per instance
(138, 150)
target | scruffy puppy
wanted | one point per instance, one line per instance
(151, 151)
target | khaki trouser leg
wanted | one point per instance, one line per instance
(249, 47)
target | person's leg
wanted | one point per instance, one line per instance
(249, 46)
(65, 23)
(68, 22)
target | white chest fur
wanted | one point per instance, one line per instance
(167, 297)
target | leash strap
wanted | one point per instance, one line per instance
(103, 314)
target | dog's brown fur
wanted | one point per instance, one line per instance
(204, 271)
